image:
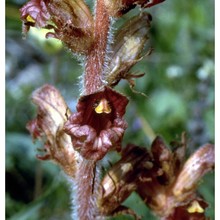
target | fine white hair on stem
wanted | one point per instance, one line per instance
(85, 190)
(110, 41)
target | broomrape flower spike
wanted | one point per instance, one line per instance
(78, 141)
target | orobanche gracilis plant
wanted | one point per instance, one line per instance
(78, 141)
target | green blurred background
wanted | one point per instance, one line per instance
(179, 83)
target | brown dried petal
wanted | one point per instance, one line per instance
(193, 170)
(154, 194)
(117, 8)
(52, 108)
(127, 49)
(93, 133)
(52, 114)
(74, 23)
(179, 153)
(163, 158)
(33, 128)
(75, 11)
(160, 151)
(120, 181)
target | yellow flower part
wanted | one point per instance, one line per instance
(30, 19)
(195, 207)
(103, 107)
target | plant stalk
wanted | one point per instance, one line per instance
(87, 179)
(87, 176)
(96, 56)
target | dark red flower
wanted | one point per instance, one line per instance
(98, 125)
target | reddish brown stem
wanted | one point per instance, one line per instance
(96, 56)
(87, 184)
(86, 177)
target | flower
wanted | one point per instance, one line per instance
(69, 21)
(127, 49)
(97, 125)
(172, 191)
(34, 13)
(51, 116)
(120, 180)
(164, 180)
(194, 210)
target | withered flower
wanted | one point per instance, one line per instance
(71, 21)
(120, 180)
(127, 50)
(97, 125)
(117, 8)
(51, 116)
(166, 183)
(172, 191)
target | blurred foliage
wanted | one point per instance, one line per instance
(179, 83)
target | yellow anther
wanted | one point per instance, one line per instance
(195, 207)
(103, 107)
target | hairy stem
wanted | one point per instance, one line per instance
(87, 179)
(87, 176)
(96, 56)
